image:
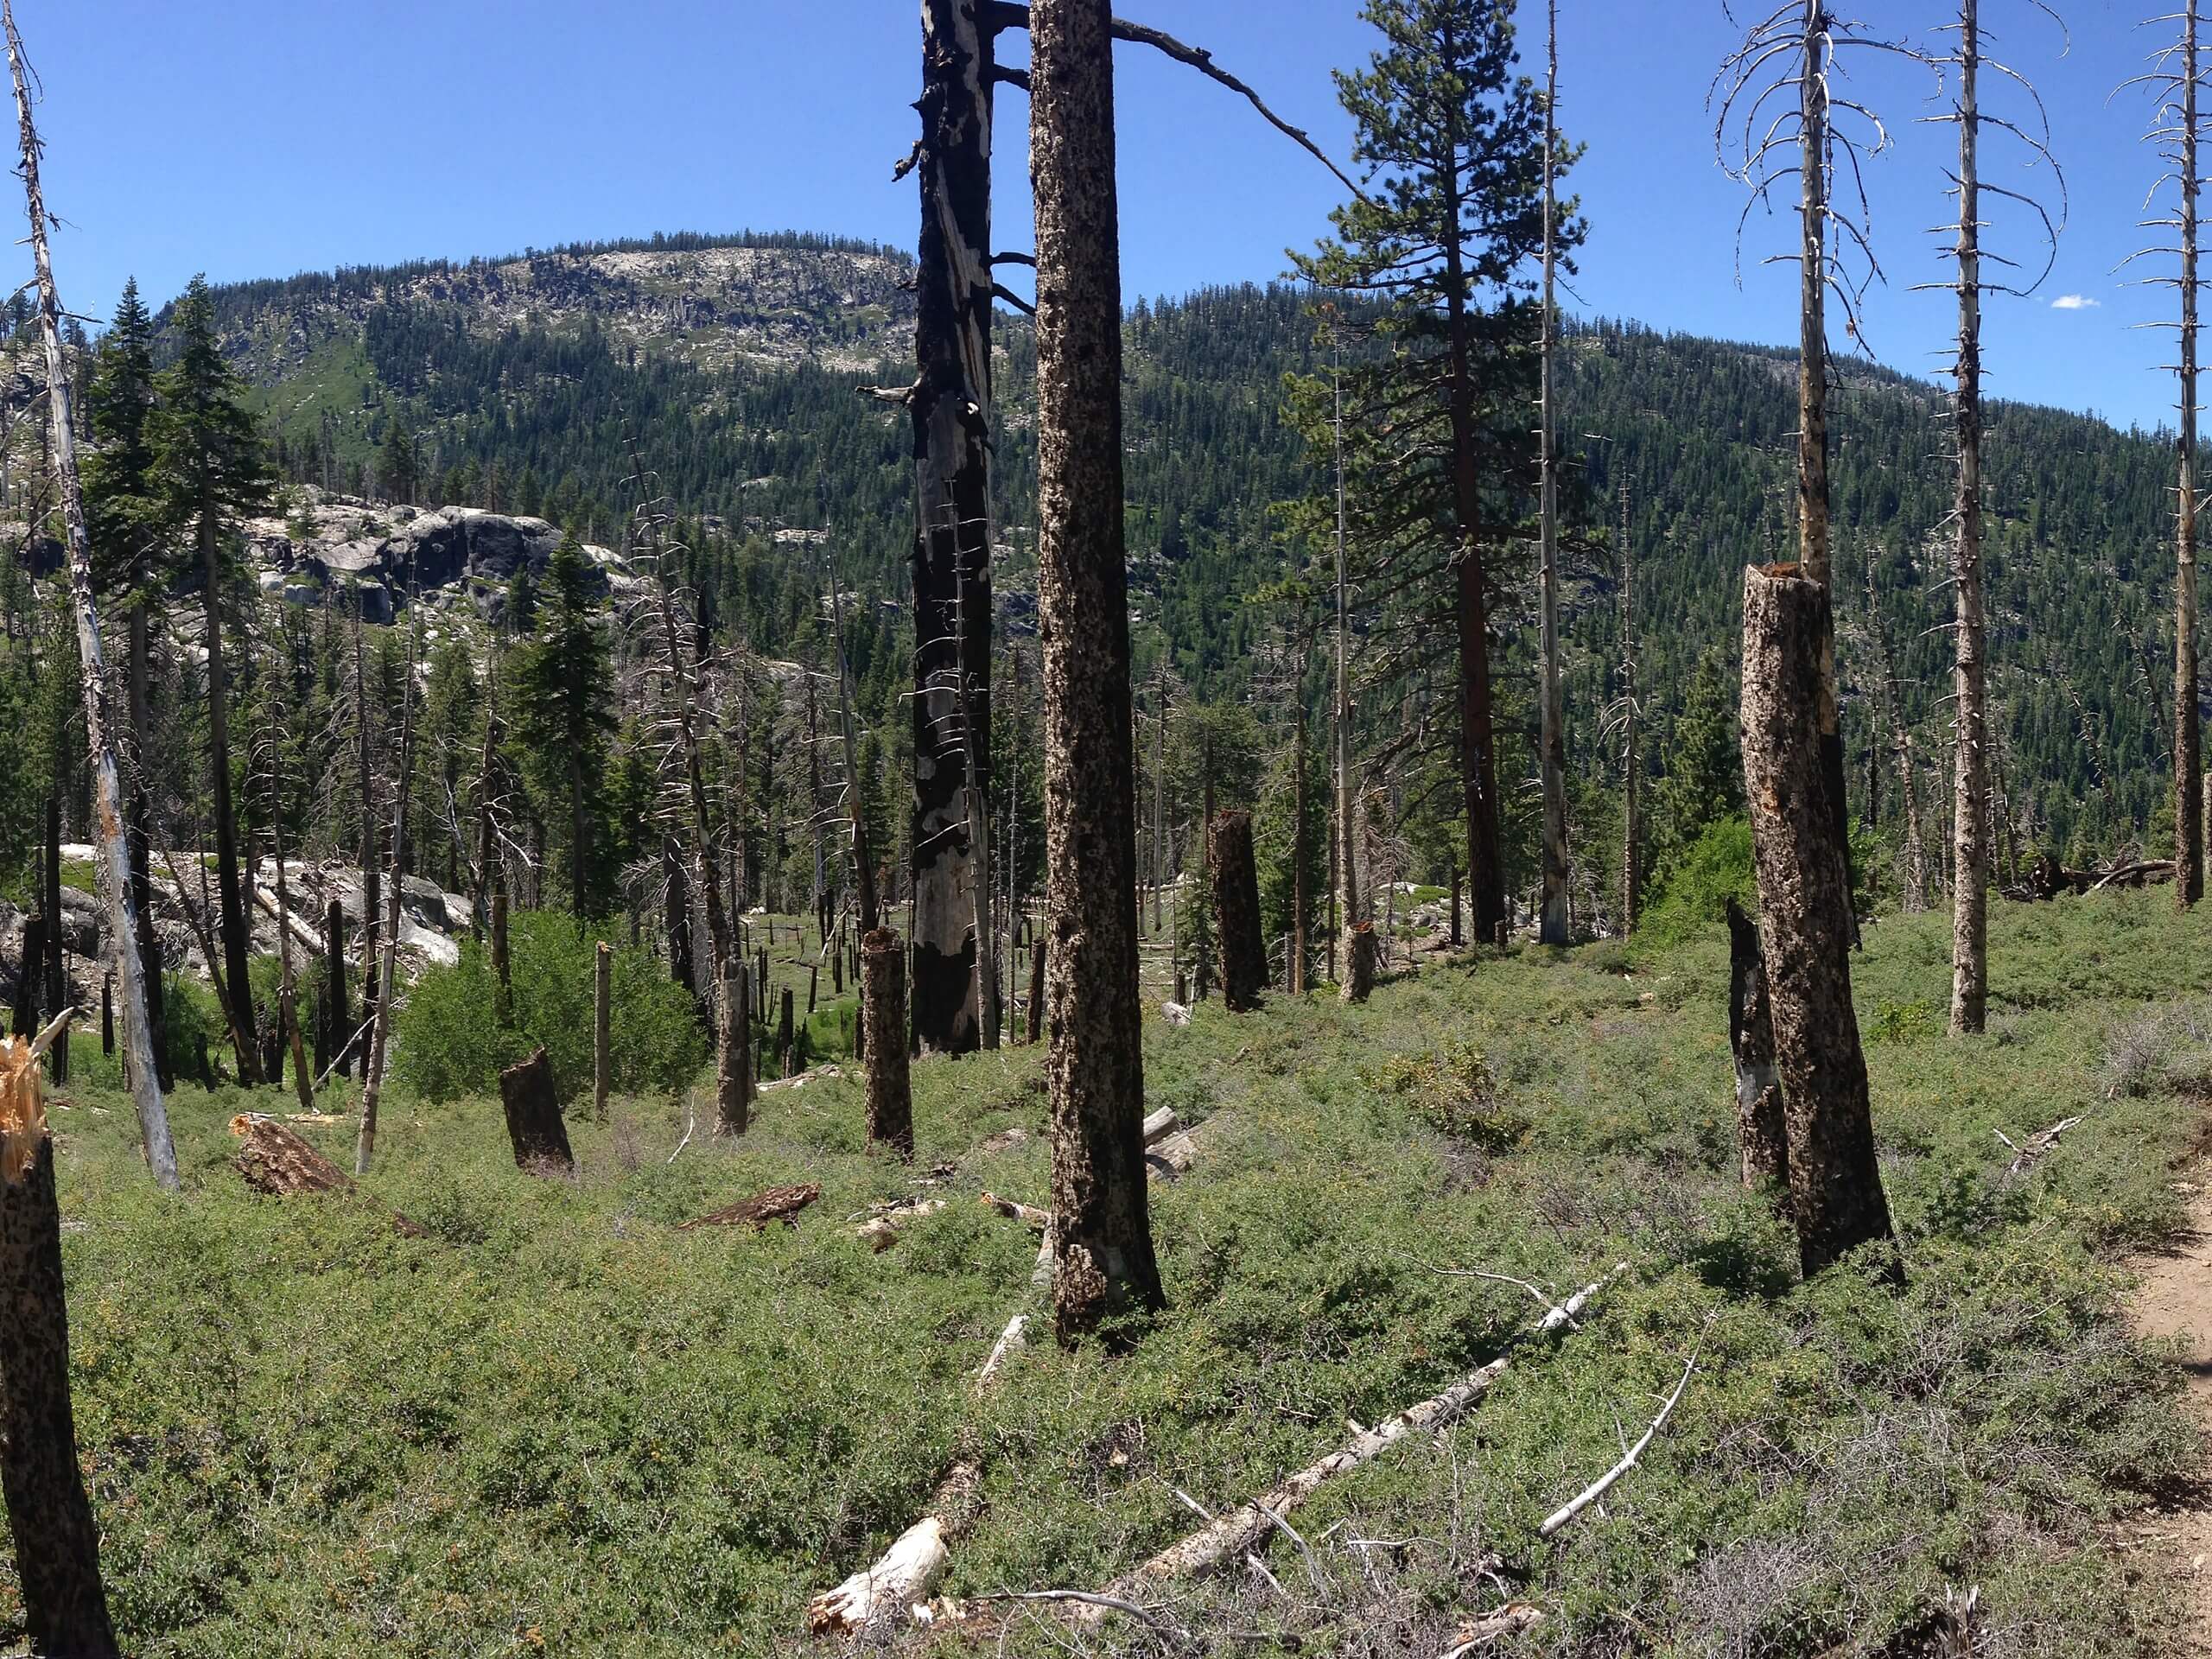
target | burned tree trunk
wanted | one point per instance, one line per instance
(951, 406)
(733, 1057)
(57, 1544)
(1359, 962)
(1103, 1236)
(1037, 953)
(56, 965)
(1236, 912)
(2188, 824)
(785, 1051)
(534, 1124)
(337, 1029)
(1970, 796)
(1761, 1132)
(1805, 896)
(883, 1034)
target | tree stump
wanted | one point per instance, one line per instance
(534, 1125)
(1036, 1028)
(1236, 912)
(1359, 962)
(883, 1025)
(1835, 1185)
(57, 1546)
(1761, 1130)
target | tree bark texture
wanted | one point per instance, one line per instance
(2188, 824)
(951, 406)
(733, 1055)
(56, 965)
(1551, 744)
(1103, 1238)
(883, 1028)
(1761, 1132)
(534, 1124)
(1970, 774)
(1236, 912)
(57, 1544)
(337, 1027)
(602, 1027)
(1359, 962)
(1039, 950)
(1805, 899)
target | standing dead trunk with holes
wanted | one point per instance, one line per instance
(2188, 824)
(1970, 780)
(57, 1543)
(1360, 951)
(1632, 757)
(1236, 912)
(951, 406)
(1102, 1235)
(734, 1056)
(883, 1030)
(1805, 899)
(1762, 1134)
(116, 892)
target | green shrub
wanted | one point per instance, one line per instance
(1452, 1091)
(1713, 869)
(449, 1044)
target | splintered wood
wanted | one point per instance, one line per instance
(777, 1203)
(277, 1161)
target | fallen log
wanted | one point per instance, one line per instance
(1605, 1483)
(1026, 1213)
(1242, 1529)
(2042, 1141)
(278, 1162)
(776, 1203)
(880, 1232)
(1512, 1619)
(534, 1124)
(1159, 1125)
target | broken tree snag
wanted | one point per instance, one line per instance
(1761, 1132)
(1835, 1185)
(777, 1203)
(1236, 912)
(57, 1546)
(278, 1162)
(1036, 1028)
(880, 1232)
(534, 1125)
(733, 1054)
(883, 1027)
(1103, 1227)
(1359, 962)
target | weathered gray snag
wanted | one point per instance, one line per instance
(1762, 1134)
(1103, 1239)
(883, 1028)
(1359, 962)
(1835, 1185)
(124, 936)
(1236, 912)
(57, 1545)
(534, 1124)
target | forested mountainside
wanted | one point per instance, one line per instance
(738, 364)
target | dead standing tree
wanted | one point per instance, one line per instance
(1103, 1233)
(1969, 676)
(117, 889)
(1792, 737)
(2176, 76)
(1551, 747)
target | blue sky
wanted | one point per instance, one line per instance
(260, 137)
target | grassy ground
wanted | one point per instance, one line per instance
(556, 1424)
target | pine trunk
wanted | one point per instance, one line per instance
(1970, 798)
(1762, 1132)
(57, 1542)
(1036, 956)
(140, 856)
(883, 1026)
(237, 935)
(1805, 898)
(1236, 912)
(1359, 962)
(951, 406)
(1552, 924)
(733, 1057)
(1102, 1244)
(2189, 824)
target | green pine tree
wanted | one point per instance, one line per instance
(565, 714)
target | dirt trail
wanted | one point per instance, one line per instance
(2175, 1300)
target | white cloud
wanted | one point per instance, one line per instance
(2074, 302)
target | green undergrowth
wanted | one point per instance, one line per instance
(555, 1423)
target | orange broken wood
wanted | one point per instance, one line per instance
(277, 1161)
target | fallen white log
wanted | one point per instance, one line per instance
(1227, 1538)
(1010, 1340)
(891, 1585)
(1159, 1125)
(300, 930)
(881, 1232)
(1176, 1014)
(1590, 1494)
(1026, 1213)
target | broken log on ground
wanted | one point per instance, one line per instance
(534, 1123)
(276, 1161)
(776, 1203)
(880, 1231)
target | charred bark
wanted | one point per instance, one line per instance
(1762, 1134)
(1360, 952)
(1236, 912)
(534, 1124)
(883, 1028)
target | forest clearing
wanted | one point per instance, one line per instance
(1373, 966)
